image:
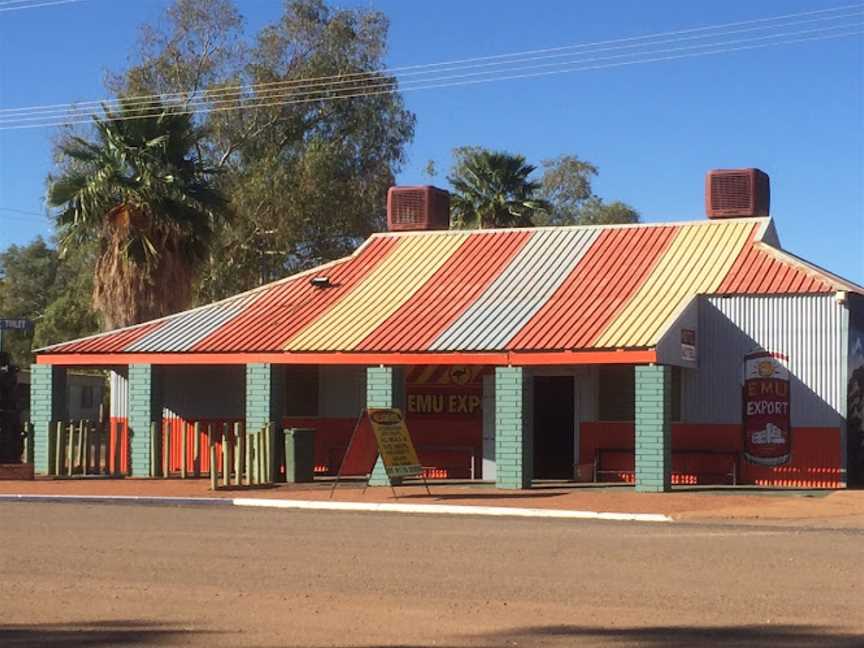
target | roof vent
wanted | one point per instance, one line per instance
(417, 208)
(737, 193)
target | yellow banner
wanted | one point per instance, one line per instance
(394, 443)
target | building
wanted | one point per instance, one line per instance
(611, 352)
(85, 393)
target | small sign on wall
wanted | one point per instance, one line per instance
(688, 345)
(765, 390)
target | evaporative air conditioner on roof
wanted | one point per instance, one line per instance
(737, 193)
(417, 208)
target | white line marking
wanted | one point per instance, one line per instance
(325, 505)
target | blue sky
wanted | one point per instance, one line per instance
(795, 111)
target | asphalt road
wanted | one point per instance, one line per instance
(133, 575)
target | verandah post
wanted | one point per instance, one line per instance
(653, 428)
(47, 406)
(144, 408)
(514, 457)
(384, 388)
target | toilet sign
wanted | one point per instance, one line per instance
(765, 390)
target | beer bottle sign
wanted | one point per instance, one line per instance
(767, 429)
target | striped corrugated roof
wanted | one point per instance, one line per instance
(540, 289)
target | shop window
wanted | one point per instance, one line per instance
(301, 390)
(616, 393)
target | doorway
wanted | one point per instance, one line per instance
(554, 414)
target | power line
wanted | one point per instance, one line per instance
(388, 87)
(240, 90)
(224, 96)
(21, 7)
(21, 211)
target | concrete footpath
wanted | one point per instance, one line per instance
(742, 505)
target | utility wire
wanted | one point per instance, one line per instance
(376, 83)
(390, 87)
(21, 7)
(226, 95)
(499, 59)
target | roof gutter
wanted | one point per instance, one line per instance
(502, 358)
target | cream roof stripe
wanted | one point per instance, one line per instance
(379, 295)
(696, 262)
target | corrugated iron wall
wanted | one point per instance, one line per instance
(809, 329)
(119, 406)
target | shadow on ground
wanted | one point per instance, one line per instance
(98, 633)
(749, 636)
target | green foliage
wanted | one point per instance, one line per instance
(55, 293)
(143, 195)
(493, 189)
(307, 180)
(566, 186)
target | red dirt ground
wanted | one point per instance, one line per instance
(837, 508)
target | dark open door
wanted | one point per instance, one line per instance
(553, 427)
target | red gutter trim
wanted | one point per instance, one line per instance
(519, 358)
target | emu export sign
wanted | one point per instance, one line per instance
(767, 433)
(394, 443)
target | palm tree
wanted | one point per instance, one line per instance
(493, 189)
(143, 194)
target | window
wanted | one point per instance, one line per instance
(87, 399)
(301, 390)
(616, 393)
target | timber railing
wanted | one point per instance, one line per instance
(234, 457)
(79, 449)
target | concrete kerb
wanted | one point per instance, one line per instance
(315, 505)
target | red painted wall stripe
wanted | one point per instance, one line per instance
(598, 287)
(287, 308)
(447, 294)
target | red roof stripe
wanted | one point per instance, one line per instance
(757, 271)
(288, 307)
(448, 293)
(110, 342)
(597, 288)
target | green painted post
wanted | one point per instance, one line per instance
(79, 449)
(653, 429)
(226, 455)
(47, 406)
(238, 453)
(70, 449)
(196, 449)
(211, 443)
(59, 447)
(247, 457)
(383, 389)
(85, 425)
(144, 408)
(513, 448)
